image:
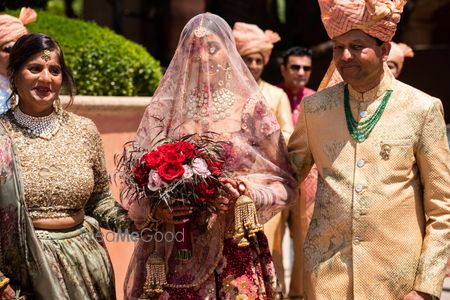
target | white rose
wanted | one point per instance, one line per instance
(200, 167)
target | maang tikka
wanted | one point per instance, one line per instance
(46, 55)
(200, 31)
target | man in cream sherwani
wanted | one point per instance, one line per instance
(381, 225)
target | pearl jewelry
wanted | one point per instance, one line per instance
(43, 127)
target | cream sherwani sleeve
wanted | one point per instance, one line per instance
(278, 101)
(433, 159)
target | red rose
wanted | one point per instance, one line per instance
(169, 172)
(205, 190)
(174, 157)
(165, 148)
(140, 174)
(187, 149)
(153, 159)
(215, 167)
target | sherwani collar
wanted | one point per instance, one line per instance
(386, 83)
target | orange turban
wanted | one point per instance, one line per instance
(251, 39)
(12, 27)
(398, 53)
(377, 18)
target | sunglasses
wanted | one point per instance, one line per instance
(297, 68)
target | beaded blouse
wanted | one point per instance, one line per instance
(66, 173)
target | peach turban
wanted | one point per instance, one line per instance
(398, 53)
(12, 27)
(377, 18)
(251, 39)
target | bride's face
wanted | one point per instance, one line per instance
(209, 60)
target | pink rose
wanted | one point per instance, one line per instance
(200, 167)
(187, 172)
(155, 182)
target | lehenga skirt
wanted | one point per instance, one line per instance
(79, 260)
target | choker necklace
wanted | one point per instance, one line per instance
(43, 127)
(361, 130)
(199, 107)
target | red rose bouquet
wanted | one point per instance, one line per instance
(188, 169)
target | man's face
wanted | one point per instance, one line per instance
(359, 59)
(255, 63)
(296, 72)
(394, 68)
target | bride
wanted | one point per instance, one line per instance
(208, 88)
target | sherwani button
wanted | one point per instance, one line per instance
(358, 188)
(361, 163)
(356, 240)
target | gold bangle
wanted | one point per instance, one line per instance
(4, 283)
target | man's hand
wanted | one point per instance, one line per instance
(414, 295)
(177, 215)
(7, 293)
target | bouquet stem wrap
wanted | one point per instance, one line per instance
(184, 247)
(245, 220)
(155, 277)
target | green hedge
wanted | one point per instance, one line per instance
(102, 62)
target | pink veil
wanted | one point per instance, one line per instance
(208, 88)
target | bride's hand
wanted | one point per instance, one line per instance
(226, 201)
(231, 187)
(176, 215)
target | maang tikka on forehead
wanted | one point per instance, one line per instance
(200, 31)
(46, 55)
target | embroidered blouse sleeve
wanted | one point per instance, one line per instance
(101, 205)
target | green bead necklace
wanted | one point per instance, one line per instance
(361, 130)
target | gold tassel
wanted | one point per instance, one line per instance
(245, 220)
(155, 280)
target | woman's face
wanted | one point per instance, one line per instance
(39, 82)
(210, 58)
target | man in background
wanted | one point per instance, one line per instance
(397, 56)
(296, 71)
